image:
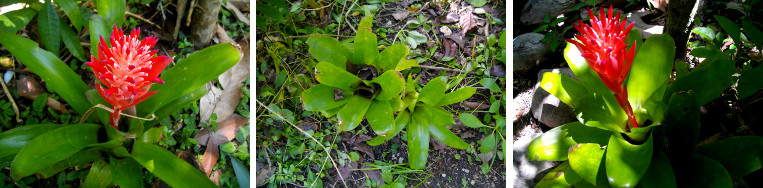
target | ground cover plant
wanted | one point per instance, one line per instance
(120, 111)
(338, 81)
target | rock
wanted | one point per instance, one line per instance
(645, 29)
(535, 10)
(548, 109)
(529, 51)
(445, 31)
(528, 172)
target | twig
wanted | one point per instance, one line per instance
(142, 19)
(447, 69)
(190, 12)
(237, 12)
(179, 20)
(311, 137)
(84, 117)
(13, 102)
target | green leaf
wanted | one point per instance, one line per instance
(651, 70)
(470, 120)
(99, 175)
(702, 171)
(418, 141)
(589, 78)
(755, 35)
(13, 21)
(392, 83)
(94, 98)
(59, 77)
(749, 82)
(708, 80)
(626, 163)
(703, 51)
(72, 42)
(415, 38)
(152, 135)
(596, 112)
(321, 97)
(381, 117)
(98, 28)
(502, 40)
(401, 121)
(554, 144)
(114, 11)
(457, 96)
(365, 50)
(406, 64)
(13, 140)
(740, 155)
(444, 135)
(562, 176)
(270, 11)
(392, 56)
(327, 49)
(487, 144)
(731, 28)
(351, 115)
(366, 23)
(705, 33)
(72, 11)
(634, 36)
(683, 124)
(337, 77)
(168, 167)
(242, 174)
(189, 74)
(477, 3)
(51, 147)
(49, 28)
(565, 88)
(434, 90)
(585, 159)
(81, 157)
(126, 172)
(176, 105)
(437, 115)
(489, 83)
(659, 173)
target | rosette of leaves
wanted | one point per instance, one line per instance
(357, 81)
(423, 116)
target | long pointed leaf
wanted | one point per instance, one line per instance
(651, 70)
(13, 140)
(99, 175)
(242, 174)
(740, 155)
(457, 96)
(13, 21)
(72, 11)
(114, 11)
(447, 137)
(98, 28)
(168, 167)
(565, 88)
(71, 41)
(176, 105)
(126, 172)
(81, 157)
(51, 147)
(327, 49)
(49, 28)
(434, 90)
(418, 141)
(554, 144)
(351, 115)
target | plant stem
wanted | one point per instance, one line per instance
(13, 102)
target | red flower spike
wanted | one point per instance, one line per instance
(126, 70)
(602, 44)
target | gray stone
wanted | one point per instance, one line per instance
(527, 172)
(529, 51)
(535, 10)
(548, 109)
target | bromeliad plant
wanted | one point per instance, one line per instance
(350, 89)
(125, 67)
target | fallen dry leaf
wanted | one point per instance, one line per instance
(226, 131)
(451, 17)
(346, 170)
(399, 15)
(451, 48)
(364, 148)
(263, 174)
(223, 101)
(373, 174)
(467, 21)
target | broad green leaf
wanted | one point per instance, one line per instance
(406, 64)
(602, 112)
(94, 98)
(81, 157)
(562, 176)
(587, 76)
(114, 11)
(13, 21)
(470, 120)
(705, 33)
(49, 28)
(351, 115)
(401, 121)
(434, 90)
(704, 51)
(189, 74)
(565, 88)
(397, 104)
(683, 123)
(585, 159)
(242, 173)
(750, 82)
(59, 77)
(740, 155)
(487, 144)
(702, 171)
(651, 69)
(152, 135)
(99, 27)
(13, 140)
(365, 50)
(626, 163)
(270, 11)
(444, 135)
(72, 42)
(708, 80)
(731, 28)
(51, 147)
(126, 172)
(177, 104)
(330, 75)
(366, 23)
(99, 175)
(418, 141)
(327, 49)
(392, 83)
(168, 167)
(321, 97)
(659, 173)
(554, 144)
(457, 96)
(634, 35)
(381, 117)
(755, 35)
(392, 56)
(72, 11)
(490, 84)
(437, 115)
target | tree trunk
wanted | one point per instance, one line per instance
(204, 16)
(679, 21)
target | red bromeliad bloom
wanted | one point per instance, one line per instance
(127, 69)
(603, 46)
